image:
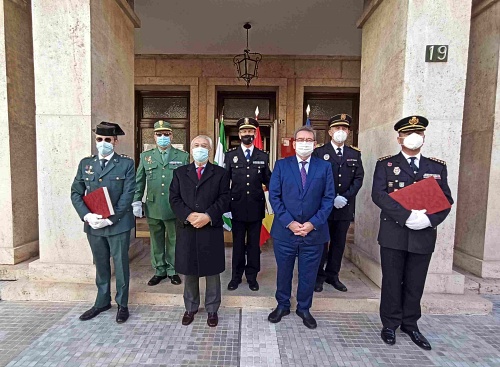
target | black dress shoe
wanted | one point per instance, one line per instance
(277, 314)
(308, 319)
(254, 286)
(233, 284)
(337, 284)
(418, 338)
(318, 287)
(122, 314)
(175, 279)
(388, 336)
(188, 317)
(212, 319)
(156, 279)
(93, 312)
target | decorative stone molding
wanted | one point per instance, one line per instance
(479, 6)
(368, 10)
(129, 12)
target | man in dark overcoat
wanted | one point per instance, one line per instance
(199, 196)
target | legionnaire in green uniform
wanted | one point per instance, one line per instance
(111, 236)
(156, 168)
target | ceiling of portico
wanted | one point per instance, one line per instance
(279, 27)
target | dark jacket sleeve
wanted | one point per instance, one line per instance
(221, 204)
(180, 209)
(78, 191)
(127, 196)
(276, 196)
(267, 173)
(357, 181)
(382, 199)
(326, 207)
(437, 218)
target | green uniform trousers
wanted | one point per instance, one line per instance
(103, 248)
(162, 233)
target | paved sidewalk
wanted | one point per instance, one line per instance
(50, 334)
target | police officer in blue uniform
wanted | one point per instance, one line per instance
(108, 237)
(248, 168)
(406, 237)
(348, 175)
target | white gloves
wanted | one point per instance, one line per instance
(418, 220)
(339, 202)
(92, 218)
(95, 221)
(137, 208)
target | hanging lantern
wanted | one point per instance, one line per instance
(247, 64)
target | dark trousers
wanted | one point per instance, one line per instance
(102, 249)
(192, 293)
(403, 281)
(333, 255)
(246, 237)
(309, 257)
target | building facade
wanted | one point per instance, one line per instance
(67, 65)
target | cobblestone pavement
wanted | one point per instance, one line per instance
(50, 334)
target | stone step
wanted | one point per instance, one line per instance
(24, 290)
(15, 272)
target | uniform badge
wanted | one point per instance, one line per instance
(389, 164)
(401, 184)
(235, 159)
(149, 159)
(88, 170)
(326, 157)
(397, 170)
(391, 184)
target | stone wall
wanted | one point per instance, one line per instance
(289, 76)
(18, 200)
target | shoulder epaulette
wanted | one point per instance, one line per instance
(232, 149)
(125, 156)
(384, 158)
(91, 156)
(355, 148)
(438, 160)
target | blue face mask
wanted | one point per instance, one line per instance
(163, 141)
(200, 154)
(104, 148)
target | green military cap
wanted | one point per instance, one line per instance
(162, 125)
(411, 123)
(342, 119)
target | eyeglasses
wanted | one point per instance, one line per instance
(107, 140)
(302, 140)
(163, 134)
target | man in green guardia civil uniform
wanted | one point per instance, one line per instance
(108, 237)
(155, 172)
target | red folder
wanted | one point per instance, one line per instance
(424, 194)
(98, 202)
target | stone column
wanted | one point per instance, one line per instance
(84, 71)
(18, 196)
(397, 82)
(477, 245)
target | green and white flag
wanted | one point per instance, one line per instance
(219, 160)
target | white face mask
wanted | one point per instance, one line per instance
(200, 154)
(339, 136)
(413, 141)
(304, 148)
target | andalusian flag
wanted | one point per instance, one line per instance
(220, 152)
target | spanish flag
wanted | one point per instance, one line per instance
(267, 222)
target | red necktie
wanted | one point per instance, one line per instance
(198, 171)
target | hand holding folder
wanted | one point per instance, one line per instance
(425, 194)
(99, 202)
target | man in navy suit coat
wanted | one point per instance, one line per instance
(301, 193)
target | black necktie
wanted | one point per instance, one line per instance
(339, 152)
(103, 163)
(413, 165)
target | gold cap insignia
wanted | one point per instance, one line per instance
(413, 121)
(246, 120)
(343, 116)
(160, 122)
